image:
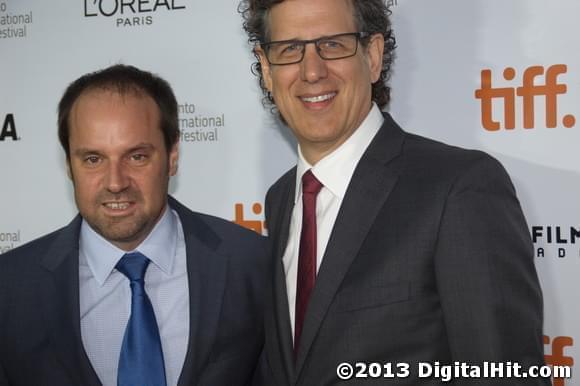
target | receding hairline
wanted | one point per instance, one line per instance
(131, 91)
(120, 88)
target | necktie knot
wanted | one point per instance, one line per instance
(133, 265)
(310, 183)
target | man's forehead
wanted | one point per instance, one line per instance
(132, 114)
(99, 98)
(307, 19)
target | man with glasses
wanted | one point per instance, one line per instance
(389, 249)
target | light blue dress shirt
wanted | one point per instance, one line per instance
(105, 296)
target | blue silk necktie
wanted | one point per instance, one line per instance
(141, 360)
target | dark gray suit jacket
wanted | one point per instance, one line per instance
(429, 260)
(40, 338)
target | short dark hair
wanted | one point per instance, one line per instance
(371, 16)
(122, 79)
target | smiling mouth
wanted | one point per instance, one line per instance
(318, 98)
(117, 205)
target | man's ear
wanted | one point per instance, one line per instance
(69, 170)
(173, 158)
(266, 69)
(374, 50)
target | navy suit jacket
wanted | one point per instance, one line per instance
(40, 336)
(430, 259)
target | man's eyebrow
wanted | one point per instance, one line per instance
(85, 150)
(140, 147)
(294, 39)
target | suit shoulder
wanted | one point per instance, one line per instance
(455, 167)
(248, 249)
(281, 185)
(429, 147)
(433, 155)
(228, 229)
(31, 251)
(218, 232)
(210, 228)
(283, 182)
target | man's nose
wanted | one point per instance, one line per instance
(313, 67)
(117, 177)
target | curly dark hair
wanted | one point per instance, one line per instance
(122, 79)
(371, 16)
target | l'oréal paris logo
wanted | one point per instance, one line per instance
(130, 13)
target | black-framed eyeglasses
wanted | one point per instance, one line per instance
(328, 48)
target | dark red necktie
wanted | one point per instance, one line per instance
(307, 252)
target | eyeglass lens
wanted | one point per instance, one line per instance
(333, 47)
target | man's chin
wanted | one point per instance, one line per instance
(119, 232)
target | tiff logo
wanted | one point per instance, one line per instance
(557, 357)
(531, 87)
(257, 226)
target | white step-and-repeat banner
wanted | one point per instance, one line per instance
(498, 75)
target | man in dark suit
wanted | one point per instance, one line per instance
(137, 290)
(389, 249)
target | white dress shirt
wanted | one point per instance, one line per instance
(105, 296)
(334, 172)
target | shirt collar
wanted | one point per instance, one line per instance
(160, 247)
(336, 169)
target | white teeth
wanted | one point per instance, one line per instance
(319, 98)
(117, 205)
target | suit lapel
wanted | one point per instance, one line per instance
(207, 271)
(282, 328)
(60, 292)
(371, 184)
